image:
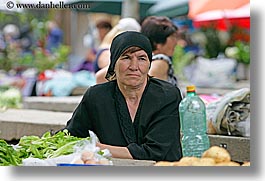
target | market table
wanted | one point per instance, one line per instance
(130, 162)
(15, 123)
(63, 104)
(238, 147)
(69, 103)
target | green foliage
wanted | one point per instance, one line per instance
(22, 18)
(216, 44)
(15, 18)
(5, 62)
(8, 155)
(240, 51)
(46, 146)
(244, 52)
(213, 46)
(43, 61)
(180, 60)
(12, 58)
(10, 97)
(40, 60)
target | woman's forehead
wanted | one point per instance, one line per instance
(133, 50)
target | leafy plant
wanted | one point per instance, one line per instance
(213, 44)
(43, 61)
(240, 51)
(10, 97)
(244, 52)
(46, 146)
(180, 60)
(236, 37)
(8, 156)
(12, 58)
(40, 59)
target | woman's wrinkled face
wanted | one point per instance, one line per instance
(132, 67)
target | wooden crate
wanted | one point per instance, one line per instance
(238, 147)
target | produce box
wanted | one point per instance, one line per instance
(238, 147)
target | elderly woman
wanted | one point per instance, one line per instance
(134, 115)
(103, 55)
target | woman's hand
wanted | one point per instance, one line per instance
(116, 151)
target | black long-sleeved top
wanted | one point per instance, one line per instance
(153, 135)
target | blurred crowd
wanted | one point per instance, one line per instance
(25, 39)
(175, 47)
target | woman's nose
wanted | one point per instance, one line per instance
(134, 63)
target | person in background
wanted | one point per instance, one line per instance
(103, 56)
(142, 119)
(10, 37)
(163, 36)
(103, 27)
(55, 36)
(26, 40)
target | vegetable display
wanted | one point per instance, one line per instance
(10, 97)
(8, 156)
(214, 156)
(46, 146)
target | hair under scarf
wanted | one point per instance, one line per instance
(124, 41)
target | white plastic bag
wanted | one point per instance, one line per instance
(219, 73)
(85, 151)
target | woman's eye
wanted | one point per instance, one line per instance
(142, 58)
(125, 57)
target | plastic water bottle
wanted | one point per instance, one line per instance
(193, 124)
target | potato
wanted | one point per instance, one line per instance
(219, 154)
(163, 163)
(204, 162)
(188, 160)
(180, 164)
(230, 163)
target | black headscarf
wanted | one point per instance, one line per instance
(124, 41)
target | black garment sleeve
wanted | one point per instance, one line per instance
(80, 122)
